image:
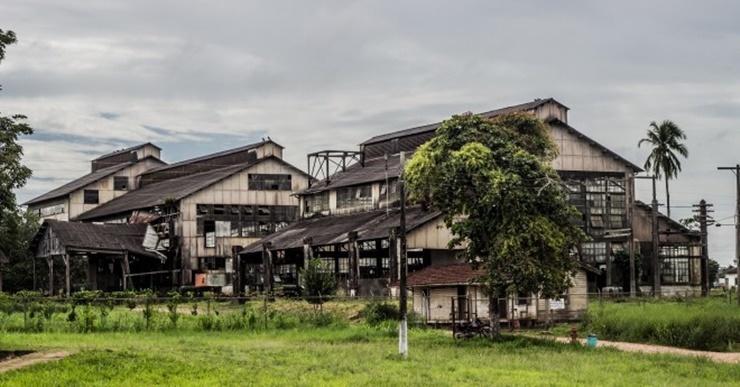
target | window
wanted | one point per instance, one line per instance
(91, 196)
(209, 230)
(51, 210)
(269, 182)
(389, 192)
(354, 196)
(212, 263)
(120, 183)
(675, 267)
(317, 202)
(223, 229)
(593, 251)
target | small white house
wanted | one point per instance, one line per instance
(729, 280)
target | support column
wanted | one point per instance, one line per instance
(67, 279)
(92, 273)
(267, 267)
(236, 270)
(307, 251)
(126, 269)
(50, 262)
(393, 253)
(354, 264)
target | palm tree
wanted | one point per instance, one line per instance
(663, 162)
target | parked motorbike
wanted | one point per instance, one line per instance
(469, 329)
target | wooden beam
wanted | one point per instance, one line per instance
(267, 267)
(354, 263)
(67, 277)
(50, 262)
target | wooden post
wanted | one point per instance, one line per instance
(307, 251)
(50, 262)
(236, 270)
(126, 269)
(354, 264)
(393, 253)
(267, 267)
(67, 279)
(92, 273)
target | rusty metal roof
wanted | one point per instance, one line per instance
(432, 127)
(76, 184)
(444, 275)
(373, 170)
(155, 194)
(127, 150)
(330, 230)
(97, 237)
(205, 159)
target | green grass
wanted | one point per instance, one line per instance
(699, 323)
(352, 355)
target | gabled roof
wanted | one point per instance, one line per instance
(331, 230)
(127, 150)
(432, 127)
(680, 228)
(76, 184)
(98, 237)
(178, 188)
(205, 158)
(372, 171)
(444, 275)
(574, 131)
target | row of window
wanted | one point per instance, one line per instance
(247, 212)
(212, 229)
(269, 182)
(349, 197)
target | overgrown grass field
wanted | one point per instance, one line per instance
(352, 355)
(710, 324)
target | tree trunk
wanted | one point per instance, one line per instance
(667, 199)
(493, 317)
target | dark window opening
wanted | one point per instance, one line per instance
(91, 196)
(209, 230)
(212, 263)
(269, 182)
(120, 183)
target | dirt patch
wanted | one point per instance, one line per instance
(724, 357)
(19, 359)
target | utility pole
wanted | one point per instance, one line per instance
(704, 219)
(736, 171)
(403, 334)
(630, 214)
(656, 252)
(656, 249)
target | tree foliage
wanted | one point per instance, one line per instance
(663, 161)
(16, 229)
(317, 282)
(501, 199)
(13, 174)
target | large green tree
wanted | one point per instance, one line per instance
(14, 233)
(665, 140)
(502, 200)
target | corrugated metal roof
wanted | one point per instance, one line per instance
(432, 127)
(330, 230)
(135, 147)
(202, 159)
(178, 188)
(155, 194)
(90, 236)
(439, 275)
(373, 170)
(76, 184)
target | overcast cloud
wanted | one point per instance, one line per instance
(195, 77)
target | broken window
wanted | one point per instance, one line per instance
(356, 196)
(269, 182)
(212, 263)
(317, 202)
(209, 230)
(91, 196)
(389, 192)
(120, 183)
(593, 251)
(223, 229)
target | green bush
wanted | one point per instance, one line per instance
(377, 312)
(701, 324)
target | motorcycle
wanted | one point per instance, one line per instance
(470, 329)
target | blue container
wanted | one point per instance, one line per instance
(591, 340)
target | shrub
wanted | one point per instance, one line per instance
(377, 312)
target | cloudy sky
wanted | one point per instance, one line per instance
(195, 77)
